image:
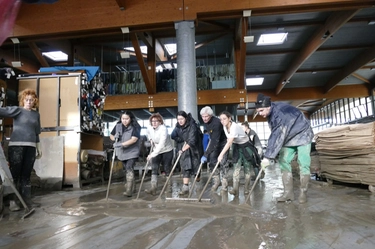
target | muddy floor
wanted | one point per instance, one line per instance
(335, 216)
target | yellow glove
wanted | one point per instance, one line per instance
(38, 151)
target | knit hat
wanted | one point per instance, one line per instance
(262, 101)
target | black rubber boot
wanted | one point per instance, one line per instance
(26, 195)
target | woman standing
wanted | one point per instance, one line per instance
(126, 135)
(242, 153)
(162, 152)
(187, 131)
(24, 145)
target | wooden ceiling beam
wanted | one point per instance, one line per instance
(306, 93)
(240, 51)
(332, 24)
(148, 39)
(43, 62)
(358, 62)
(121, 4)
(169, 99)
(28, 66)
(141, 63)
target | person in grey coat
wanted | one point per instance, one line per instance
(188, 132)
(24, 145)
(127, 133)
(291, 133)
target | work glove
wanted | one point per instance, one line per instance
(203, 159)
(38, 151)
(267, 162)
(117, 145)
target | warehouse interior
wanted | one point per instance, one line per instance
(324, 64)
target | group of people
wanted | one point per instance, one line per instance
(291, 134)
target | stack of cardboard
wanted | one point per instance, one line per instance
(347, 153)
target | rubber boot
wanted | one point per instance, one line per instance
(224, 184)
(129, 184)
(184, 190)
(247, 183)
(215, 182)
(304, 179)
(235, 190)
(26, 195)
(154, 185)
(288, 195)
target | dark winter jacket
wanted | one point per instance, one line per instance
(190, 134)
(289, 128)
(217, 136)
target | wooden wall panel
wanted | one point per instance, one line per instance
(48, 102)
(69, 94)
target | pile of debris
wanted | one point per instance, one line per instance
(347, 153)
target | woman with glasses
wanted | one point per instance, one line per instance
(162, 149)
(126, 134)
(24, 145)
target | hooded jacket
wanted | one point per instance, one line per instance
(190, 134)
(289, 128)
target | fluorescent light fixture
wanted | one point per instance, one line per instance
(15, 40)
(272, 39)
(143, 49)
(168, 65)
(56, 55)
(372, 22)
(125, 30)
(248, 39)
(254, 81)
(159, 68)
(124, 55)
(246, 13)
(16, 64)
(171, 48)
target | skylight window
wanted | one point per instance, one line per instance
(254, 81)
(272, 39)
(143, 49)
(171, 48)
(56, 55)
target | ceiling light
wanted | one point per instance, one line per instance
(246, 13)
(254, 81)
(15, 40)
(248, 39)
(125, 30)
(16, 64)
(124, 55)
(168, 65)
(272, 39)
(171, 48)
(143, 49)
(56, 55)
(372, 22)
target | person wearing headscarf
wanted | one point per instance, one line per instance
(291, 133)
(126, 134)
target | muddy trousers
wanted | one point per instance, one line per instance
(236, 173)
(128, 166)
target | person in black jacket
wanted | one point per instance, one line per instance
(216, 145)
(188, 132)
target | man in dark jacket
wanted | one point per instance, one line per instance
(291, 133)
(216, 145)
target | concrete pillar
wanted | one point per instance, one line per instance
(186, 66)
